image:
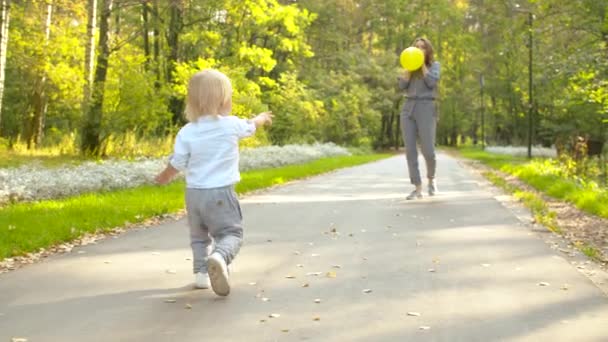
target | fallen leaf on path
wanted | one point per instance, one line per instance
(262, 321)
(336, 266)
(424, 327)
(18, 339)
(297, 253)
(188, 306)
(300, 265)
(253, 283)
(107, 262)
(316, 318)
(314, 255)
(331, 274)
(188, 259)
(170, 301)
(171, 271)
(318, 300)
(274, 315)
(432, 270)
(412, 313)
(314, 273)
(367, 290)
(265, 299)
(543, 283)
(305, 285)
(289, 276)
(565, 287)
(436, 260)
(363, 230)
(351, 234)
(81, 252)
(285, 330)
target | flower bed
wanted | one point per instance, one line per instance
(30, 183)
(522, 151)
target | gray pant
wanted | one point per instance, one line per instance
(420, 122)
(214, 216)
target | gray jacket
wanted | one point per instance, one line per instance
(421, 90)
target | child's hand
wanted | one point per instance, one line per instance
(166, 175)
(263, 119)
(161, 179)
(406, 75)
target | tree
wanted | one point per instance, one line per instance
(89, 54)
(91, 132)
(35, 129)
(5, 6)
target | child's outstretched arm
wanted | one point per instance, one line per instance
(262, 119)
(166, 175)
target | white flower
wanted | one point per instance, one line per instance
(522, 151)
(30, 183)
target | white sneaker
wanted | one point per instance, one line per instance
(432, 188)
(201, 281)
(218, 274)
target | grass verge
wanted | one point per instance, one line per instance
(27, 227)
(544, 175)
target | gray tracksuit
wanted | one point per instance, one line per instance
(419, 120)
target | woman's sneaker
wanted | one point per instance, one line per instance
(416, 194)
(201, 280)
(432, 188)
(218, 274)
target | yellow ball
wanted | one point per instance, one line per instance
(412, 58)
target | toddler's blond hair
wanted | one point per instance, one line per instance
(209, 93)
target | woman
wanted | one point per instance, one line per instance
(419, 117)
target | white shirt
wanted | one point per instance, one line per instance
(207, 151)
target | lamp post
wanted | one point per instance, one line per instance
(530, 82)
(483, 125)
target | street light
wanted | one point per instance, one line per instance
(483, 125)
(530, 85)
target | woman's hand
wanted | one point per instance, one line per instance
(406, 75)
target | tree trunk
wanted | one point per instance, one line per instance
(175, 27)
(39, 99)
(157, 63)
(89, 55)
(4, 24)
(146, 29)
(91, 131)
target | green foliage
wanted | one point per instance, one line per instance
(327, 69)
(550, 177)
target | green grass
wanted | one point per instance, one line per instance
(543, 176)
(537, 205)
(591, 252)
(27, 227)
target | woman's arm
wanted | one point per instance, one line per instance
(431, 75)
(404, 82)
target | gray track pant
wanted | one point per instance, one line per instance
(214, 217)
(420, 122)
